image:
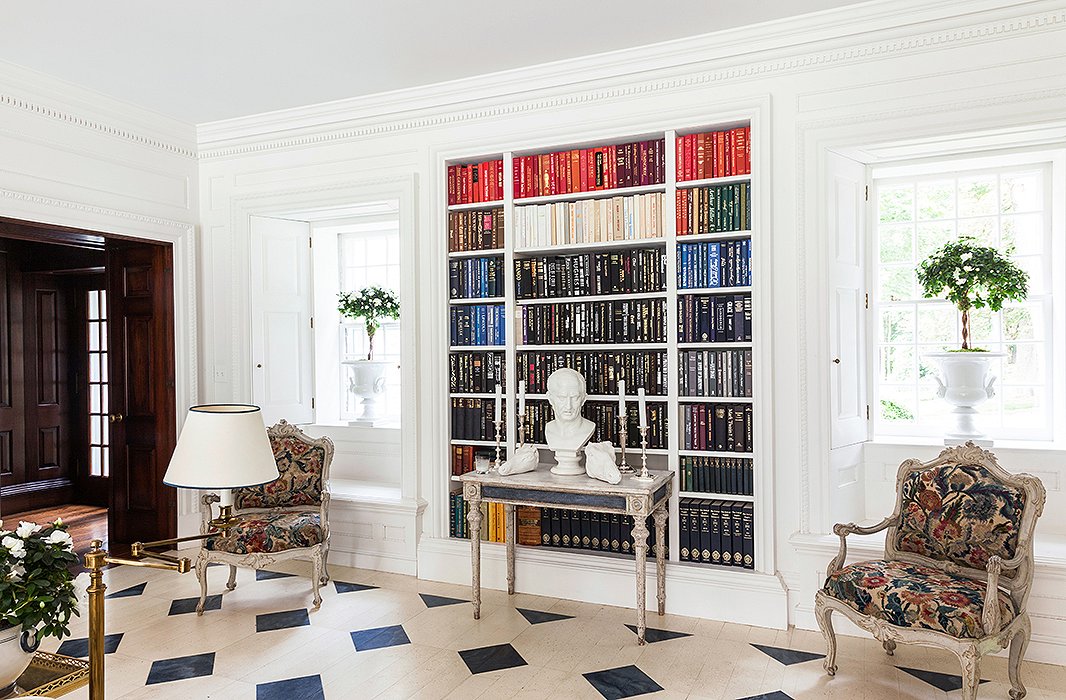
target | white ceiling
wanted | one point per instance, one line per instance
(205, 60)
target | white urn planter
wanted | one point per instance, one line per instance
(16, 651)
(965, 383)
(367, 383)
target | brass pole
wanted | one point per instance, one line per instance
(95, 559)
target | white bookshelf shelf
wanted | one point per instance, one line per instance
(728, 180)
(593, 297)
(714, 290)
(478, 300)
(593, 194)
(715, 496)
(590, 246)
(717, 236)
(714, 399)
(476, 205)
(488, 253)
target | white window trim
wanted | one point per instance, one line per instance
(1055, 228)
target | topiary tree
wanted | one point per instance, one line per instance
(974, 276)
(372, 304)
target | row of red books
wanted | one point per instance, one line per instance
(714, 154)
(590, 169)
(476, 182)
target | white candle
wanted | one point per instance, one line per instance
(643, 407)
(622, 397)
(522, 398)
(499, 399)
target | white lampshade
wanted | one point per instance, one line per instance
(222, 446)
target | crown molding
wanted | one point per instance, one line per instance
(849, 35)
(155, 222)
(51, 98)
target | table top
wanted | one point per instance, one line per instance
(541, 479)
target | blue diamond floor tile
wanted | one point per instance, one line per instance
(80, 647)
(535, 617)
(303, 688)
(379, 638)
(622, 682)
(264, 575)
(182, 606)
(775, 695)
(435, 601)
(281, 620)
(345, 587)
(788, 656)
(128, 592)
(943, 681)
(652, 635)
(494, 658)
(181, 667)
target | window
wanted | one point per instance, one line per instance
(97, 348)
(1006, 203)
(349, 254)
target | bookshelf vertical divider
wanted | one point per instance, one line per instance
(510, 305)
(674, 435)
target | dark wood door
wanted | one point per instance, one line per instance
(140, 301)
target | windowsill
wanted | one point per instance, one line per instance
(363, 491)
(922, 441)
(387, 424)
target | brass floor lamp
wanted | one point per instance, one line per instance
(221, 447)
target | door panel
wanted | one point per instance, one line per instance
(141, 373)
(282, 350)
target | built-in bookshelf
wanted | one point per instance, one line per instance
(590, 259)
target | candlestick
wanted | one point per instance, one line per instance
(621, 397)
(644, 475)
(521, 398)
(623, 424)
(521, 429)
(499, 424)
(496, 407)
(643, 408)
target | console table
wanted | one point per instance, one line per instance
(541, 488)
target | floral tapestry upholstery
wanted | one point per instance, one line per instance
(913, 596)
(300, 481)
(959, 513)
(269, 532)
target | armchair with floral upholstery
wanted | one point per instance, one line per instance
(283, 519)
(957, 568)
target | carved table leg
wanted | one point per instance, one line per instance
(660, 556)
(640, 547)
(474, 520)
(510, 515)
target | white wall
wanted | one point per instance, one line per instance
(73, 158)
(878, 73)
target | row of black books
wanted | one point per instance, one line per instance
(714, 264)
(616, 321)
(475, 372)
(582, 529)
(731, 475)
(465, 456)
(477, 324)
(476, 278)
(713, 209)
(717, 427)
(472, 418)
(714, 318)
(619, 272)
(605, 415)
(601, 369)
(715, 373)
(717, 532)
(480, 229)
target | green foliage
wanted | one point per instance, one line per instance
(36, 586)
(372, 304)
(890, 410)
(973, 275)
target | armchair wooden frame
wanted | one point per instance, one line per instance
(318, 553)
(1014, 575)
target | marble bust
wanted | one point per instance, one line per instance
(569, 431)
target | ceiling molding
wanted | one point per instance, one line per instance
(92, 209)
(751, 52)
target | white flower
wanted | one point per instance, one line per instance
(15, 547)
(58, 522)
(967, 268)
(26, 529)
(60, 537)
(17, 572)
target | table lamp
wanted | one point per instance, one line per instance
(221, 446)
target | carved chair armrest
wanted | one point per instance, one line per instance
(205, 510)
(842, 530)
(990, 613)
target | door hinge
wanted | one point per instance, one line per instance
(867, 193)
(867, 411)
(311, 245)
(312, 322)
(313, 404)
(867, 300)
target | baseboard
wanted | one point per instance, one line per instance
(378, 561)
(743, 597)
